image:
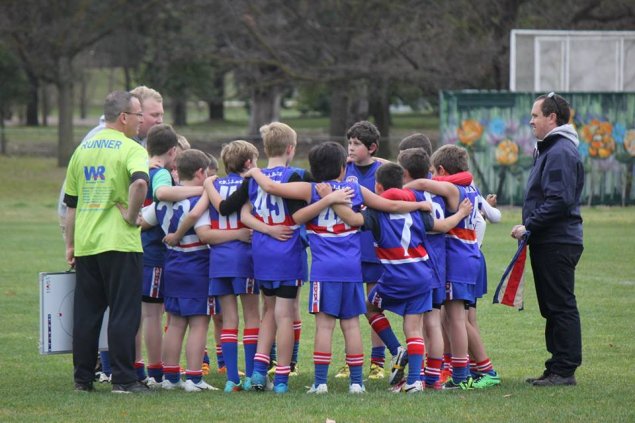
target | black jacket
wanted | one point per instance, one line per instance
(551, 210)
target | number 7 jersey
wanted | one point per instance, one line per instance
(402, 249)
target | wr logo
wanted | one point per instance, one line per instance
(94, 173)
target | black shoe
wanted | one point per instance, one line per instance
(84, 387)
(130, 388)
(543, 376)
(555, 380)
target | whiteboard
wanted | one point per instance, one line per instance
(56, 314)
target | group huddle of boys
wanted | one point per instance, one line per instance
(217, 239)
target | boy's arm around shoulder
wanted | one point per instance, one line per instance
(233, 203)
(444, 225)
(328, 199)
(219, 236)
(445, 189)
(189, 220)
(376, 202)
(174, 193)
(290, 190)
(342, 209)
(279, 232)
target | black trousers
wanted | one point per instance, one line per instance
(111, 279)
(553, 267)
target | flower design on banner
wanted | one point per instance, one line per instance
(629, 142)
(496, 130)
(583, 149)
(469, 132)
(507, 153)
(598, 135)
(619, 131)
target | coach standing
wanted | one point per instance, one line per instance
(551, 213)
(104, 171)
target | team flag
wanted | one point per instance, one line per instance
(510, 290)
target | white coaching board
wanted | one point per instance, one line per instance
(56, 314)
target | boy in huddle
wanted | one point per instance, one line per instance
(363, 143)
(336, 276)
(463, 261)
(162, 145)
(416, 164)
(186, 281)
(279, 281)
(231, 267)
(405, 288)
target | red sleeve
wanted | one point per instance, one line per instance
(461, 178)
(399, 194)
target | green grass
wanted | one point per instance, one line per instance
(39, 388)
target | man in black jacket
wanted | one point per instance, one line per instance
(551, 214)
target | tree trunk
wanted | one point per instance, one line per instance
(359, 104)
(66, 143)
(179, 108)
(127, 78)
(3, 138)
(83, 100)
(216, 106)
(339, 112)
(265, 108)
(44, 95)
(380, 110)
(32, 102)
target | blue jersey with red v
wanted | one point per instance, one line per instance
(232, 258)
(152, 239)
(273, 259)
(365, 176)
(335, 250)
(462, 253)
(436, 240)
(401, 248)
(186, 264)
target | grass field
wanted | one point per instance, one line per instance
(40, 388)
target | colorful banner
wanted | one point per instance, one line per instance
(494, 128)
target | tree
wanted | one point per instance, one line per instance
(13, 88)
(48, 36)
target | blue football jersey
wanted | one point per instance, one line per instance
(152, 239)
(402, 250)
(335, 248)
(365, 176)
(436, 240)
(463, 255)
(273, 259)
(186, 264)
(232, 258)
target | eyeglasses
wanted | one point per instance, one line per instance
(552, 96)
(139, 115)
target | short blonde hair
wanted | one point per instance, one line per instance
(183, 142)
(145, 93)
(236, 153)
(276, 137)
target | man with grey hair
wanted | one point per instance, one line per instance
(106, 183)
